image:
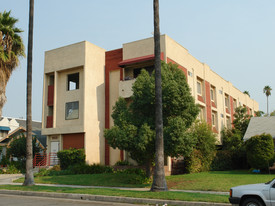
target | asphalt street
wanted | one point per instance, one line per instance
(15, 200)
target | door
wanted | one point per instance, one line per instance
(53, 154)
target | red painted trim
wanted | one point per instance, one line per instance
(179, 66)
(208, 102)
(121, 155)
(49, 122)
(200, 98)
(139, 59)
(50, 95)
(112, 58)
(213, 104)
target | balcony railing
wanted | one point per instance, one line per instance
(125, 88)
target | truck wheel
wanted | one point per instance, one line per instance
(252, 202)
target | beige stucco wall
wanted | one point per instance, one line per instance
(114, 94)
(141, 48)
(94, 103)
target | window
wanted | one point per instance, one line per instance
(234, 104)
(72, 110)
(199, 87)
(213, 119)
(201, 114)
(213, 94)
(190, 74)
(226, 101)
(73, 82)
(228, 122)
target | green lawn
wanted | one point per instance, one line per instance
(110, 180)
(208, 181)
(126, 193)
(216, 180)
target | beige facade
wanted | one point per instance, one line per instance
(103, 76)
(78, 99)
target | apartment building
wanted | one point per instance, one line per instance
(82, 82)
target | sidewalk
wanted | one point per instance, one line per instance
(8, 180)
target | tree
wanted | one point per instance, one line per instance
(247, 93)
(272, 113)
(134, 128)
(260, 151)
(17, 148)
(259, 113)
(29, 179)
(267, 91)
(241, 119)
(11, 48)
(159, 181)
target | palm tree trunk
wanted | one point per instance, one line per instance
(29, 180)
(159, 182)
(267, 105)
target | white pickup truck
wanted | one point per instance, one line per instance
(254, 195)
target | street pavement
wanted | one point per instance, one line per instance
(7, 179)
(15, 200)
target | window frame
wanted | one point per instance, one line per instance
(199, 87)
(70, 79)
(66, 110)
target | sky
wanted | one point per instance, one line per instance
(235, 38)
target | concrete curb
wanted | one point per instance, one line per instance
(109, 198)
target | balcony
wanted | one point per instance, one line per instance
(125, 88)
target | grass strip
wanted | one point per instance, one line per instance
(182, 196)
(108, 180)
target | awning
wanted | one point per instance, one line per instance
(139, 60)
(3, 128)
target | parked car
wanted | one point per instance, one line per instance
(254, 194)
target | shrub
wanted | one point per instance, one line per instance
(11, 169)
(222, 161)
(71, 157)
(260, 151)
(193, 162)
(4, 161)
(204, 150)
(123, 163)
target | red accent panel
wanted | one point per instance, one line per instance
(112, 59)
(179, 66)
(200, 98)
(213, 104)
(139, 59)
(215, 130)
(208, 102)
(73, 141)
(227, 110)
(121, 155)
(50, 95)
(49, 122)
(232, 109)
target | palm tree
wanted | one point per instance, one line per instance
(11, 48)
(159, 182)
(29, 180)
(267, 91)
(246, 92)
